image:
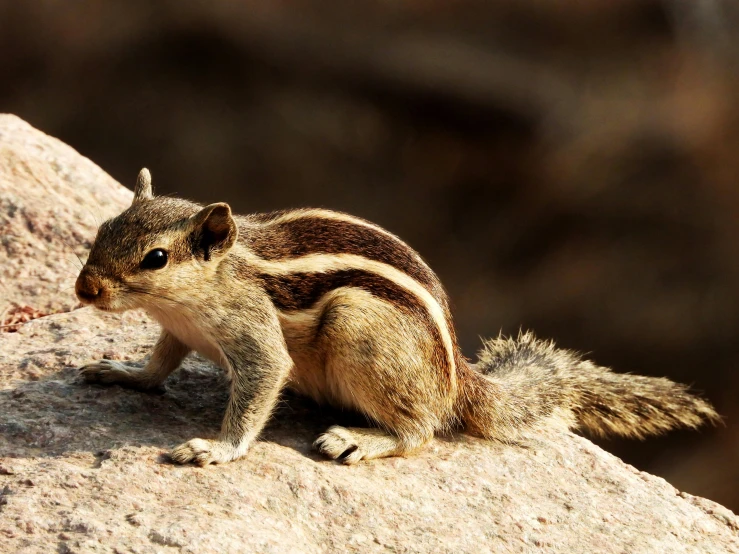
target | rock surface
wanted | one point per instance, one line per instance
(83, 468)
(51, 202)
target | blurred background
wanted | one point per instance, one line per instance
(569, 166)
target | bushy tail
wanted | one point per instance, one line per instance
(518, 384)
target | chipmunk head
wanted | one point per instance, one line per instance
(152, 253)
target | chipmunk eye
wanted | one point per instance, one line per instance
(156, 259)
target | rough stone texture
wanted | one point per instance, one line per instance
(51, 202)
(82, 468)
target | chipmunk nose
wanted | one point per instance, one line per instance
(87, 287)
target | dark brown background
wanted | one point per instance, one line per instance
(564, 166)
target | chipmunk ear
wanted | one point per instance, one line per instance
(214, 230)
(142, 190)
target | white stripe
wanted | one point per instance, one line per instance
(327, 214)
(321, 263)
(305, 213)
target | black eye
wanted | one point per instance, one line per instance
(156, 259)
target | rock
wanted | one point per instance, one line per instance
(51, 202)
(83, 468)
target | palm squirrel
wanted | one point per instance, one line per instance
(344, 312)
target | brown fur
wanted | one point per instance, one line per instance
(342, 311)
(533, 383)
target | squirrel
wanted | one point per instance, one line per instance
(342, 311)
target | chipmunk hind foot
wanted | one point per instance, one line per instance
(351, 445)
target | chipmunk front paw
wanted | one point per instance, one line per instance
(107, 372)
(203, 452)
(111, 372)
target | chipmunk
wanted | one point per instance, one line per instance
(344, 312)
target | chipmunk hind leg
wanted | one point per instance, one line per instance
(377, 362)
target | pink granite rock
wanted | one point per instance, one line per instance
(51, 202)
(82, 467)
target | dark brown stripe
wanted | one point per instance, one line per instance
(301, 291)
(317, 235)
